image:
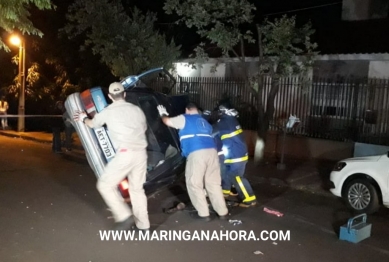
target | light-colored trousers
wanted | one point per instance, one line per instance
(4, 121)
(203, 171)
(131, 164)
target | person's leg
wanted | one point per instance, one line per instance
(242, 185)
(136, 180)
(56, 139)
(226, 181)
(115, 171)
(194, 176)
(213, 182)
(68, 137)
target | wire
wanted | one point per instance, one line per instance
(301, 9)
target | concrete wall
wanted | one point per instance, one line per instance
(357, 65)
(204, 70)
(345, 68)
(379, 69)
(297, 147)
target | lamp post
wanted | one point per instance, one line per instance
(16, 40)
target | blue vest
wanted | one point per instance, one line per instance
(196, 134)
(234, 144)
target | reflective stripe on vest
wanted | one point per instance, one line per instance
(189, 136)
(236, 160)
(235, 133)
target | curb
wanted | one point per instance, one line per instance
(26, 137)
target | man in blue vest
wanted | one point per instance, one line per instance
(202, 165)
(236, 156)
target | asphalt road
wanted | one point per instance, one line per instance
(51, 211)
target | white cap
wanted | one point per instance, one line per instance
(116, 88)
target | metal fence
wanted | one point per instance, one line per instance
(343, 109)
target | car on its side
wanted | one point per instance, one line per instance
(363, 182)
(165, 162)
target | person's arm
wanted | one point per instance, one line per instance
(166, 120)
(177, 122)
(83, 117)
(164, 115)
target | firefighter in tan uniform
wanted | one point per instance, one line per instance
(127, 125)
(202, 165)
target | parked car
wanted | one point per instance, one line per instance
(165, 162)
(363, 182)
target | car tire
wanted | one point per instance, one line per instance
(361, 196)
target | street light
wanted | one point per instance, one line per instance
(17, 41)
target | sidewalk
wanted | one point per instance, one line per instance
(41, 137)
(309, 175)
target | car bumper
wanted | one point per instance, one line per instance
(336, 183)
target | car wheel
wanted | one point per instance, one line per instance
(361, 196)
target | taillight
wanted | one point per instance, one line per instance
(124, 185)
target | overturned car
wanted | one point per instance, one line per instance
(165, 163)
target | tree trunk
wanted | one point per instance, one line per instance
(275, 86)
(261, 128)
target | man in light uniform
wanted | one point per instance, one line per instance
(202, 165)
(127, 125)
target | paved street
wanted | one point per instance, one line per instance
(51, 211)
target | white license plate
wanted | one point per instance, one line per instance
(105, 143)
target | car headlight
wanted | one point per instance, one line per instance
(339, 166)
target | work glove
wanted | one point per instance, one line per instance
(80, 116)
(162, 110)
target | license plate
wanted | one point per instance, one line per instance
(105, 143)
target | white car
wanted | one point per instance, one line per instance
(363, 182)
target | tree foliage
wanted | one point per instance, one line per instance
(126, 43)
(43, 85)
(229, 24)
(218, 21)
(14, 15)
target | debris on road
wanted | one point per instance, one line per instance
(273, 212)
(180, 206)
(275, 243)
(258, 252)
(235, 222)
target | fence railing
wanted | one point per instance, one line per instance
(344, 109)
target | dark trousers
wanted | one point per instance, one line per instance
(233, 174)
(56, 146)
(68, 136)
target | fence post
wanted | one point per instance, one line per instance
(281, 165)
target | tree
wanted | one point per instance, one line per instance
(126, 43)
(15, 16)
(226, 24)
